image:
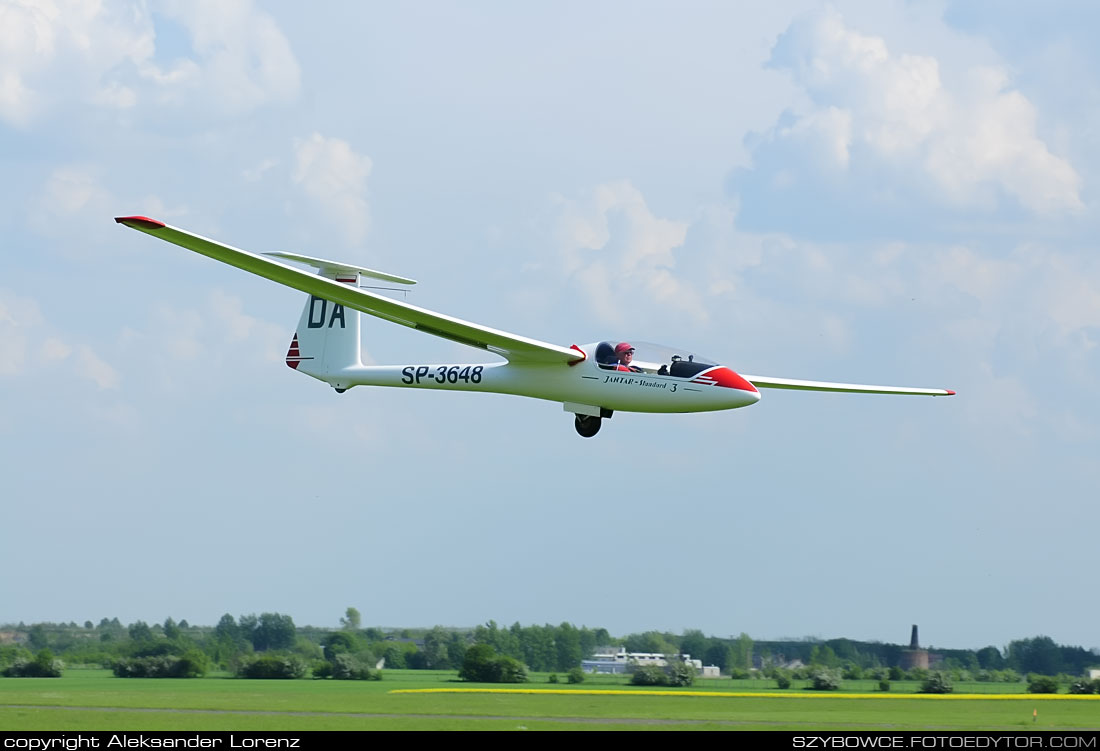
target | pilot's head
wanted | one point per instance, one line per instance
(624, 352)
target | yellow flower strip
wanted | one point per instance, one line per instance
(748, 694)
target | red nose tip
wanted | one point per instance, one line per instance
(724, 377)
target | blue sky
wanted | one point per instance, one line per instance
(876, 192)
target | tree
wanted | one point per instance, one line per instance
(989, 658)
(740, 655)
(824, 655)
(338, 643)
(456, 649)
(435, 649)
(351, 620)
(651, 642)
(567, 642)
(694, 643)
(271, 631)
(170, 629)
(140, 632)
(1038, 655)
(37, 638)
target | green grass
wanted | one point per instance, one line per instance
(96, 700)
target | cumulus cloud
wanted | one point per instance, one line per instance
(622, 255)
(241, 58)
(55, 50)
(103, 53)
(33, 347)
(887, 128)
(186, 347)
(75, 206)
(334, 177)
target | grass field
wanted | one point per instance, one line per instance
(95, 700)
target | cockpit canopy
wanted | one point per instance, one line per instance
(650, 358)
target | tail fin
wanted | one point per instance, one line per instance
(326, 342)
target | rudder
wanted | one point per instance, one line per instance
(326, 342)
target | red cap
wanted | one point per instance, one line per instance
(622, 347)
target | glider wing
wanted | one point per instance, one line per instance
(767, 382)
(510, 346)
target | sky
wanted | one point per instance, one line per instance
(866, 191)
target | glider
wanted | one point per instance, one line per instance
(592, 381)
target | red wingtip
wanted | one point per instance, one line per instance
(139, 221)
(949, 392)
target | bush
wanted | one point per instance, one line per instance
(482, 664)
(553, 678)
(824, 679)
(937, 683)
(680, 673)
(193, 664)
(1083, 686)
(272, 666)
(648, 675)
(1042, 684)
(895, 673)
(884, 685)
(675, 673)
(347, 667)
(739, 673)
(575, 675)
(510, 670)
(44, 665)
(782, 681)
(322, 669)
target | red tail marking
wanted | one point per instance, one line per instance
(293, 355)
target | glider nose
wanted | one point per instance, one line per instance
(741, 393)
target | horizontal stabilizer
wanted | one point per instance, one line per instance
(338, 267)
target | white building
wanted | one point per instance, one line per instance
(615, 661)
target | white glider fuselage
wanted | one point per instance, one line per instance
(584, 383)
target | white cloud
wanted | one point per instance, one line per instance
(622, 255)
(334, 177)
(93, 367)
(243, 58)
(255, 174)
(19, 317)
(33, 347)
(885, 118)
(74, 204)
(186, 347)
(54, 53)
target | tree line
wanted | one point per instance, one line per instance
(269, 640)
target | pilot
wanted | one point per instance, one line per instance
(624, 353)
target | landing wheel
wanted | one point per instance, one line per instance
(340, 391)
(587, 425)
